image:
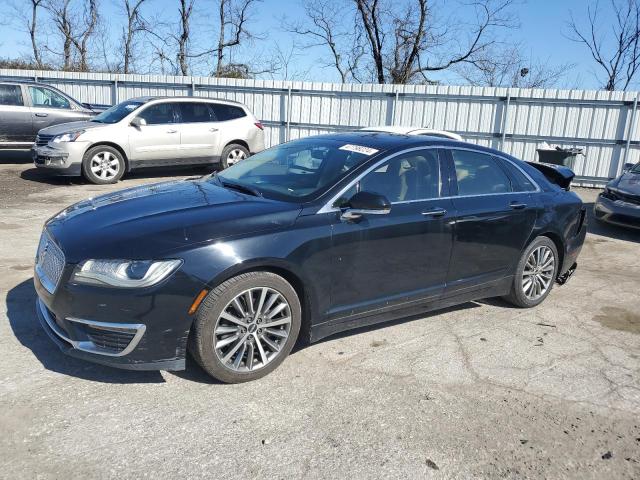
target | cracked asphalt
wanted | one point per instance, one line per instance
(482, 390)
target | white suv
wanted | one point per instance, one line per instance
(150, 132)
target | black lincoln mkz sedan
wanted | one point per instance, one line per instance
(303, 240)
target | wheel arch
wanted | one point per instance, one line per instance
(287, 272)
(125, 157)
(556, 238)
(238, 142)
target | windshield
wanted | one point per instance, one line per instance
(636, 168)
(297, 170)
(117, 112)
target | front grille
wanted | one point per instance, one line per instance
(629, 198)
(49, 262)
(42, 139)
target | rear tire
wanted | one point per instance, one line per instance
(232, 154)
(234, 343)
(103, 165)
(535, 274)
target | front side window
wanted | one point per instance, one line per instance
(158, 114)
(44, 97)
(11, 95)
(479, 174)
(196, 112)
(297, 170)
(227, 112)
(407, 177)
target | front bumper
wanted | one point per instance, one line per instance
(65, 159)
(617, 212)
(136, 330)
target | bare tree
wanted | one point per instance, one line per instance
(505, 66)
(135, 25)
(326, 27)
(186, 9)
(33, 25)
(617, 50)
(76, 28)
(29, 21)
(233, 17)
(405, 41)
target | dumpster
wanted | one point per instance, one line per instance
(557, 155)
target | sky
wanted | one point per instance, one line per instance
(542, 23)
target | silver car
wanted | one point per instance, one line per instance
(150, 132)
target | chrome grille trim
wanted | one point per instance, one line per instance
(42, 139)
(50, 263)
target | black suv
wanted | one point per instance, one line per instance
(25, 108)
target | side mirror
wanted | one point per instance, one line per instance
(627, 167)
(138, 122)
(366, 203)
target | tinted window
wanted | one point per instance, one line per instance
(43, 97)
(196, 112)
(10, 95)
(227, 112)
(521, 182)
(411, 176)
(157, 114)
(479, 174)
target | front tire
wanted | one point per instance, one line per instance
(232, 154)
(103, 165)
(535, 274)
(246, 327)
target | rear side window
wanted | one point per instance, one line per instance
(43, 97)
(479, 174)
(521, 182)
(11, 95)
(158, 114)
(196, 112)
(227, 112)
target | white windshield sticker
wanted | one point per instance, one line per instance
(359, 149)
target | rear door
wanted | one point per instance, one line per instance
(49, 107)
(15, 126)
(199, 134)
(157, 141)
(492, 224)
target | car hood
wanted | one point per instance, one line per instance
(70, 127)
(628, 182)
(151, 221)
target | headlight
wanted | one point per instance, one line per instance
(67, 137)
(124, 273)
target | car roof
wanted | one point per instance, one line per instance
(146, 99)
(409, 130)
(387, 141)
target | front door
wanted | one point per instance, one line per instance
(48, 108)
(492, 224)
(157, 140)
(393, 260)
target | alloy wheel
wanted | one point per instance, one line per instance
(104, 165)
(252, 329)
(235, 156)
(538, 272)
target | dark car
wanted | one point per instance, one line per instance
(301, 241)
(619, 203)
(25, 108)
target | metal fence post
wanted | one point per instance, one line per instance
(630, 132)
(288, 114)
(505, 120)
(114, 92)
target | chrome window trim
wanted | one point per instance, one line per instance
(88, 346)
(328, 206)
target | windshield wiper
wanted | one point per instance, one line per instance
(239, 187)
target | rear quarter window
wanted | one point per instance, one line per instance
(11, 95)
(520, 182)
(227, 112)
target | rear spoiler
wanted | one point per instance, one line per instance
(558, 174)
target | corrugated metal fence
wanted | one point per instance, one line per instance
(514, 120)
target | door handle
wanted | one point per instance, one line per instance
(435, 212)
(213, 129)
(42, 114)
(518, 205)
(172, 131)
